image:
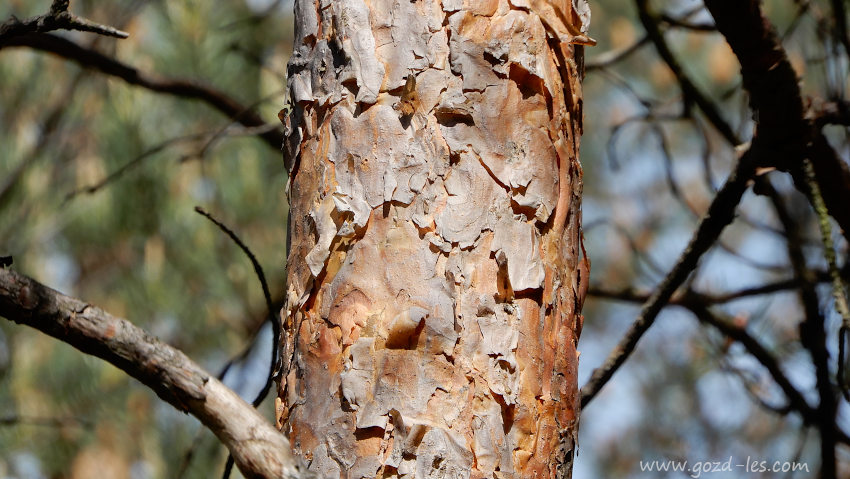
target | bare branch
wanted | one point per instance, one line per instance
(630, 295)
(812, 330)
(274, 319)
(698, 305)
(690, 91)
(831, 113)
(58, 18)
(719, 215)
(93, 59)
(258, 448)
(606, 59)
(797, 401)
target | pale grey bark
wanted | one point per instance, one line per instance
(258, 449)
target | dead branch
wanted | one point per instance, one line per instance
(698, 304)
(781, 140)
(720, 214)
(58, 18)
(260, 451)
(189, 89)
(691, 93)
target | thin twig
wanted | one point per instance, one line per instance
(812, 330)
(719, 215)
(133, 163)
(690, 91)
(609, 58)
(230, 129)
(632, 296)
(749, 387)
(273, 318)
(189, 89)
(58, 18)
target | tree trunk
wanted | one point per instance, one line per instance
(433, 290)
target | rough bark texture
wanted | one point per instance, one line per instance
(258, 449)
(432, 308)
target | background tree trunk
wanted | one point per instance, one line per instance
(432, 306)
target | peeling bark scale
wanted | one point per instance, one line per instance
(432, 308)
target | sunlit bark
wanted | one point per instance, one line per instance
(433, 287)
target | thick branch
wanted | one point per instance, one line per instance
(58, 18)
(94, 60)
(767, 75)
(258, 448)
(777, 103)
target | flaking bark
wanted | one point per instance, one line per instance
(431, 317)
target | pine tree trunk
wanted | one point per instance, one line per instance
(433, 291)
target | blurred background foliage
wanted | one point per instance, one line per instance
(135, 246)
(131, 243)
